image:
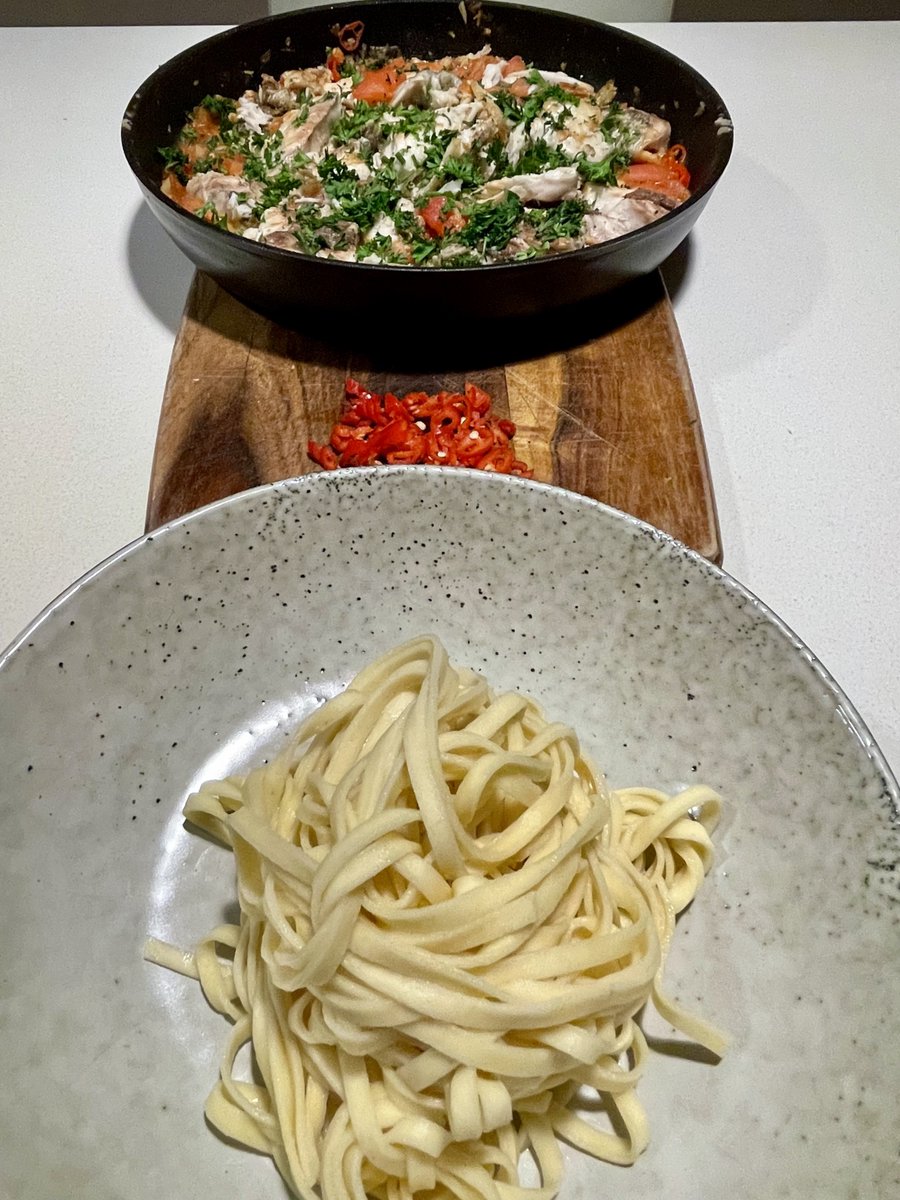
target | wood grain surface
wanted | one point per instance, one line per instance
(601, 397)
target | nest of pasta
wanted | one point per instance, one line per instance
(448, 927)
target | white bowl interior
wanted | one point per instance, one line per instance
(197, 649)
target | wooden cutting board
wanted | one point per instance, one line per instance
(601, 397)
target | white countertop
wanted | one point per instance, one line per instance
(786, 298)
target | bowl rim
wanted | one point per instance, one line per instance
(153, 190)
(845, 710)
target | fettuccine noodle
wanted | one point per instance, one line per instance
(448, 924)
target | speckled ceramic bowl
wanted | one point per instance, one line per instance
(195, 649)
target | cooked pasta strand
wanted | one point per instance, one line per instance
(448, 927)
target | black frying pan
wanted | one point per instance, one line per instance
(287, 285)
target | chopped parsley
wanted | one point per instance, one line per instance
(410, 228)
(176, 160)
(435, 152)
(355, 123)
(422, 250)
(337, 178)
(493, 224)
(409, 119)
(540, 156)
(523, 112)
(536, 101)
(496, 158)
(306, 229)
(380, 245)
(605, 171)
(277, 188)
(352, 199)
(451, 257)
(210, 214)
(467, 169)
(509, 105)
(563, 220)
(262, 159)
(369, 185)
(219, 106)
(371, 200)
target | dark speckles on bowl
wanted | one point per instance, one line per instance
(296, 287)
(188, 656)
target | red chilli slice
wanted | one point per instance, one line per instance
(447, 429)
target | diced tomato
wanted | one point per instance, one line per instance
(439, 218)
(176, 190)
(667, 174)
(433, 216)
(206, 123)
(649, 175)
(375, 87)
(474, 68)
(516, 63)
(334, 62)
(173, 187)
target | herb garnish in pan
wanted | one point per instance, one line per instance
(376, 158)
